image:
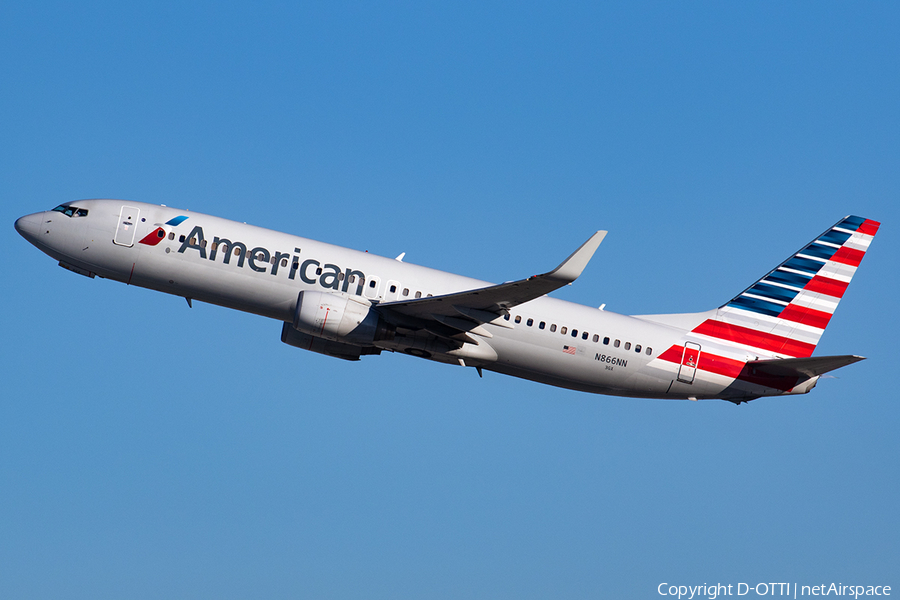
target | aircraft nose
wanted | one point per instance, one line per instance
(29, 226)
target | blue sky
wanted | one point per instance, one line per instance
(148, 450)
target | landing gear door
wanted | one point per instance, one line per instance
(689, 361)
(125, 230)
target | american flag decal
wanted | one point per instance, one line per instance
(569, 349)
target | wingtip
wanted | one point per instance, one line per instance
(571, 268)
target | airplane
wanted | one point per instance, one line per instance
(348, 304)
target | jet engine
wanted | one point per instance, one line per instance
(292, 337)
(340, 318)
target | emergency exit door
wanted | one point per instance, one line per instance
(690, 358)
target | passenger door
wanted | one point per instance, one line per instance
(127, 226)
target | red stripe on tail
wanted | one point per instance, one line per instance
(711, 363)
(869, 227)
(805, 316)
(826, 285)
(848, 256)
(755, 339)
(728, 367)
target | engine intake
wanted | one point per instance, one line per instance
(340, 318)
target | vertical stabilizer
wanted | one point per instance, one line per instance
(785, 313)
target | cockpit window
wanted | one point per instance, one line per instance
(71, 211)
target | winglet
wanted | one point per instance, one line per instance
(570, 269)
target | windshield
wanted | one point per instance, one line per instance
(71, 211)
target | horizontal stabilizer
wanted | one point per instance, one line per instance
(802, 368)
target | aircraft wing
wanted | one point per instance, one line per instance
(487, 304)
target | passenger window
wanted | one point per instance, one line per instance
(530, 322)
(406, 291)
(649, 351)
(563, 330)
(340, 276)
(637, 348)
(318, 271)
(574, 333)
(541, 326)
(237, 250)
(606, 341)
(596, 338)
(181, 238)
(283, 262)
(203, 245)
(160, 234)
(172, 237)
(584, 335)
(506, 317)
(616, 343)
(518, 318)
(628, 345)
(418, 294)
(553, 327)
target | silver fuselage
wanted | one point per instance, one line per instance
(266, 270)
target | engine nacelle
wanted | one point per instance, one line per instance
(340, 318)
(292, 337)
